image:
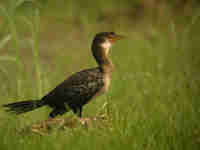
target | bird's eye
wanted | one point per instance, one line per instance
(112, 33)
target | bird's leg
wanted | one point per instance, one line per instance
(54, 113)
(80, 112)
(77, 111)
(84, 121)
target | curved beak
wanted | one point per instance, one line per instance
(116, 37)
(119, 37)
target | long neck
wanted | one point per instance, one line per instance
(102, 59)
(106, 65)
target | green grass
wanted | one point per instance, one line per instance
(153, 102)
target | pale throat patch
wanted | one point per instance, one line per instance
(107, 80)
(106, 45)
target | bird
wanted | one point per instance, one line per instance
(79, 88)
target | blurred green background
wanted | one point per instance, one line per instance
(153, 102)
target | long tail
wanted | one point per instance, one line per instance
(24, 106)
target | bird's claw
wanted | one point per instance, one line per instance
(84, 120)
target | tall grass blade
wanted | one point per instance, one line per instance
(35, 27)
(35, 49)
(5, 40)
(8, 14)
(8, 58)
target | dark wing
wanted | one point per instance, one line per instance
(78, 89)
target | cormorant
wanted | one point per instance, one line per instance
(80, 87)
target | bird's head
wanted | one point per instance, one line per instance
(103, 41)
(100, 49)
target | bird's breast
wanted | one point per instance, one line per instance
(107, 81)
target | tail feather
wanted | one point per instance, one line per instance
(23, 106)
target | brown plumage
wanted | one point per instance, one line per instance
(79, 88)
